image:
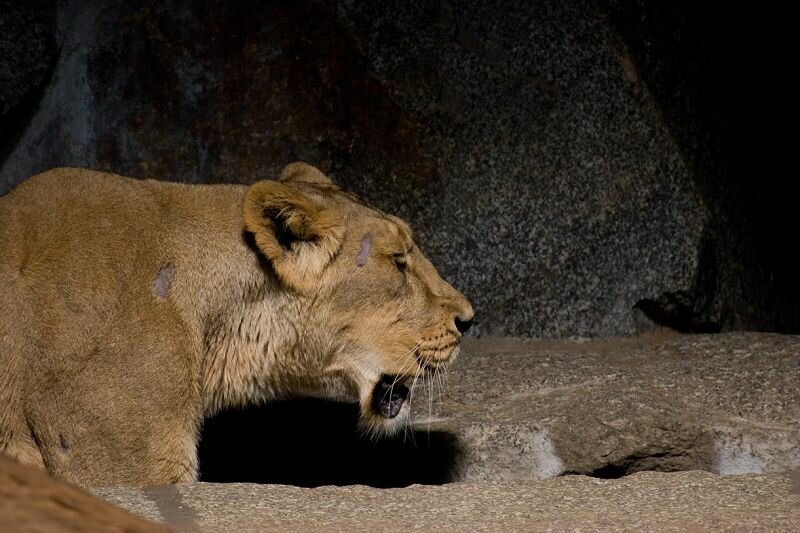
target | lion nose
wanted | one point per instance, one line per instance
(462, 312)
(463, 325)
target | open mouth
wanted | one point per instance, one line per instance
(388, 396)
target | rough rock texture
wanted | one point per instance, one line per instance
(582, 167)
(562, 200)
(726, 403)
(28, 54)
(519, 140)
(723, 98)
(518, 412)
(648, 501)
(30, 500)
(219, 92)
(27, 50)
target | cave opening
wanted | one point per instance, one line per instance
(309, 442)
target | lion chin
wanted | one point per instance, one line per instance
(134, 309)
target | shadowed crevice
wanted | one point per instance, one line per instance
(676, 310)
(656, 461)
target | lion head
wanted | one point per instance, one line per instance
(376, 315)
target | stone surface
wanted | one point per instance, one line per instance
(520, 142)
(169, 91)
(723, 98)
(515, 413)
(647, 501)
(30, 500)
(562, 200)
(27, 51)
(516, 409)
(28, 55)
(518, 415)
(724, 403)
(577, 167)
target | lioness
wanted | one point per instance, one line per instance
(130, 310)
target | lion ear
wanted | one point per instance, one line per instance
(305, 173)
(297, 236)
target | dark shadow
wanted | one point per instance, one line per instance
(676, 310)
(726, 101)
(16, 120)
(655, 461)
(609, 472)
(307, 442)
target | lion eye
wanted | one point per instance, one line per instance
(400, 262)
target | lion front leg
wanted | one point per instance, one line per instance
(123, 410)
(102, 453)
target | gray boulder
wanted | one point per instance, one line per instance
(28, 55)
(27, 52)
(726, 403)
(519, 141)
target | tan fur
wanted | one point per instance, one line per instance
(130, 310)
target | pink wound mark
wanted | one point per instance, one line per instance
(363, 254)
(163, 281)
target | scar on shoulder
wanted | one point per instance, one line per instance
(363, 254)
(163, 280)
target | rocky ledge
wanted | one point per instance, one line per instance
(519, 409)
(664, 432)
(728, 404)
(647, 501)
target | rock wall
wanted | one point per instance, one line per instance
(521, 141)
(718, 76)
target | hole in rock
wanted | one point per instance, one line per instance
(609, 472)
(655, 462)
(309, 442)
